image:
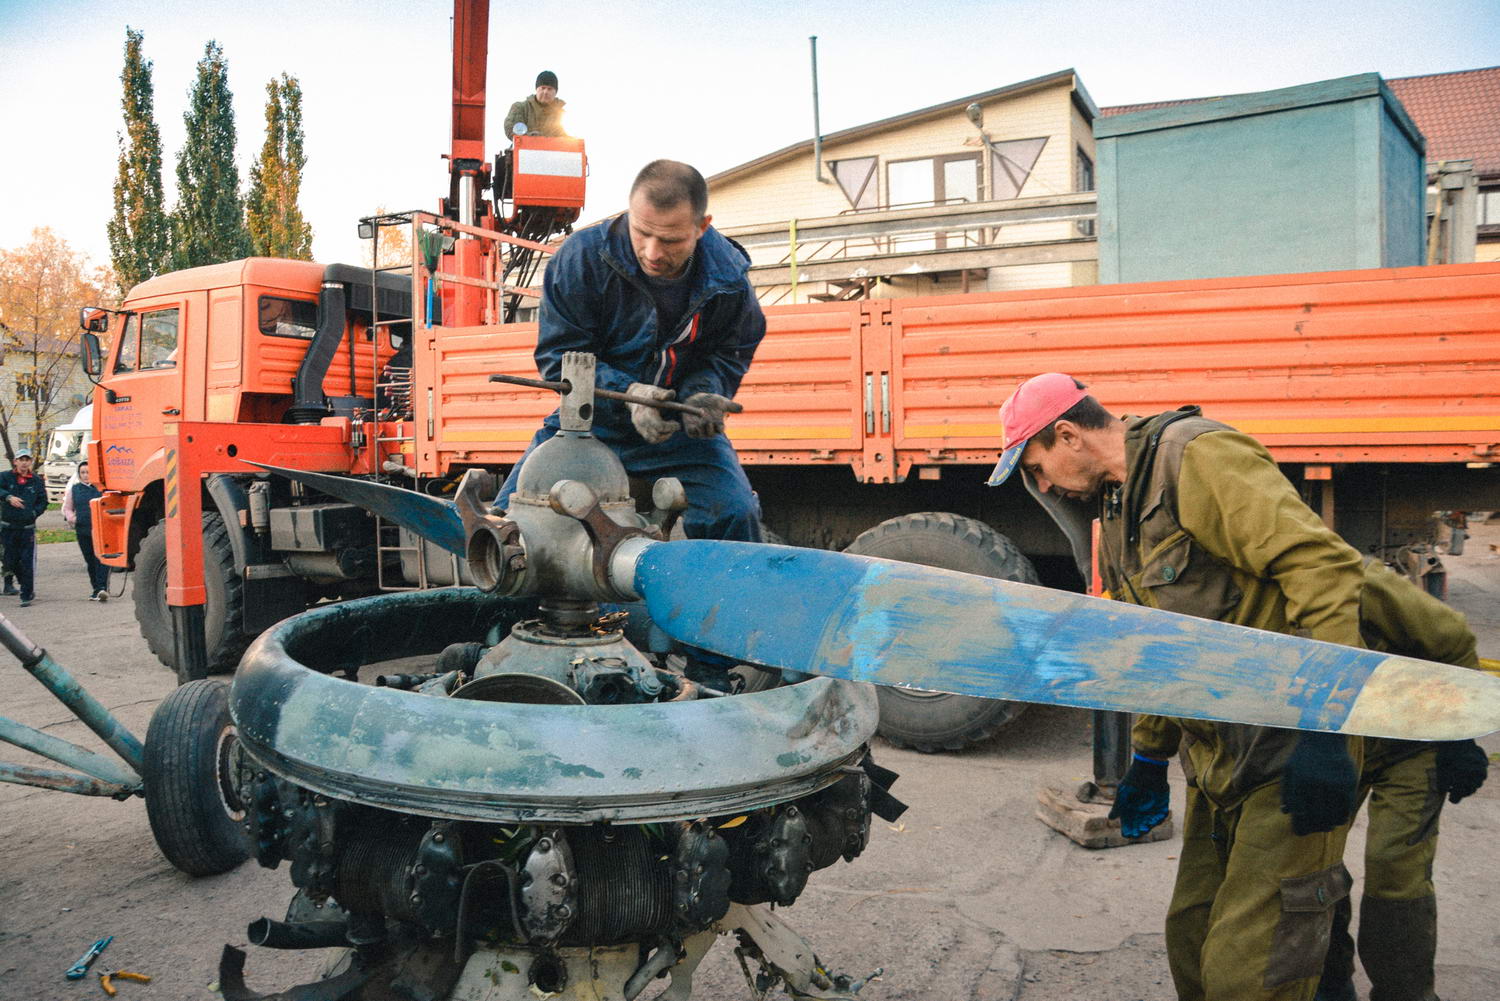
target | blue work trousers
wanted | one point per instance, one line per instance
(721, 504)
(20, 557)
(98, 572)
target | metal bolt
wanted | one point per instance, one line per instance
(517, 562)
(544, 845)
(564, 911)
(558, 879)
(438, 837)
(416, 898)
(420, 870)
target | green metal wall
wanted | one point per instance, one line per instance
(1323, 177)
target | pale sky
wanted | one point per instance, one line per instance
(711, 82)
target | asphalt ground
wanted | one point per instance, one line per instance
(968, 896)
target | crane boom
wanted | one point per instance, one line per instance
(471, 46)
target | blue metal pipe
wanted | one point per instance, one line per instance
(49, 778)
(71, 694)
(66, 753)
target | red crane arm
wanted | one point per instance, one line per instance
(471, 47)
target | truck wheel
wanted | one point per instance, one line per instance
(932, 721)
(223, 613)
(191, 758)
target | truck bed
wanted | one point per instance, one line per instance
(1397, 365)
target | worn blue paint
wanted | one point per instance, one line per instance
(51, 778)
(89, 711)
(70, 754)
(508, 762)
(908, 626)
(432, 518)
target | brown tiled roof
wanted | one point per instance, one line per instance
(1459, 113)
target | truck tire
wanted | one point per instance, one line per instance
(223, 612)
(191, 757)
(932, 721)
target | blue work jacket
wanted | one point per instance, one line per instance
(33, 494)
(594, 298)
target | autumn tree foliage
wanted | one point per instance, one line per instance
(277, 227)
(139, 231)
(42, 286)
(208, 224)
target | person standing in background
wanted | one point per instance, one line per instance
(76, 512)
(23, 498)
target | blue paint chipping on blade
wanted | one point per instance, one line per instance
(430, 517)
(910, 626)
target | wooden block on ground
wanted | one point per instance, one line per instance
(1088, 824)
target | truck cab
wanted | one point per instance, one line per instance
(251, 343)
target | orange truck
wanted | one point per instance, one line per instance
(868, 425)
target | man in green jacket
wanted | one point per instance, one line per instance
(1406, 782)
(1197, 518)
(541, 112)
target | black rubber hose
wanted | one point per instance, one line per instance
(304, 935)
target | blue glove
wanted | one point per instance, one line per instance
(1319, 783)
(1143, 798)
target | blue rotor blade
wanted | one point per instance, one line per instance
(430, 517)
(910, 626)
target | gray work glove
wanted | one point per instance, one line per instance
(712, 423)
(650, 423)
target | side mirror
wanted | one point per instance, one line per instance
(94, 319)
(93, 355)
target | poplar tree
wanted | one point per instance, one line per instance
(277, 227)
(139, 231)
(208, 225)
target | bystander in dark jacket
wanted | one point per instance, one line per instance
(23, 498)
(76, 512)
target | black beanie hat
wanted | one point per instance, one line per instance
(546, 78)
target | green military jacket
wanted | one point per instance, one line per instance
(1205, 524)
(541, 119)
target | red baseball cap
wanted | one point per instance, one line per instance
(1036, 403)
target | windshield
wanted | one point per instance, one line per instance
(66, 445)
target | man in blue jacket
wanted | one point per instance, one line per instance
(23, 498)
(663, 302)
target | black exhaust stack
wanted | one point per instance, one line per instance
(309, 405)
